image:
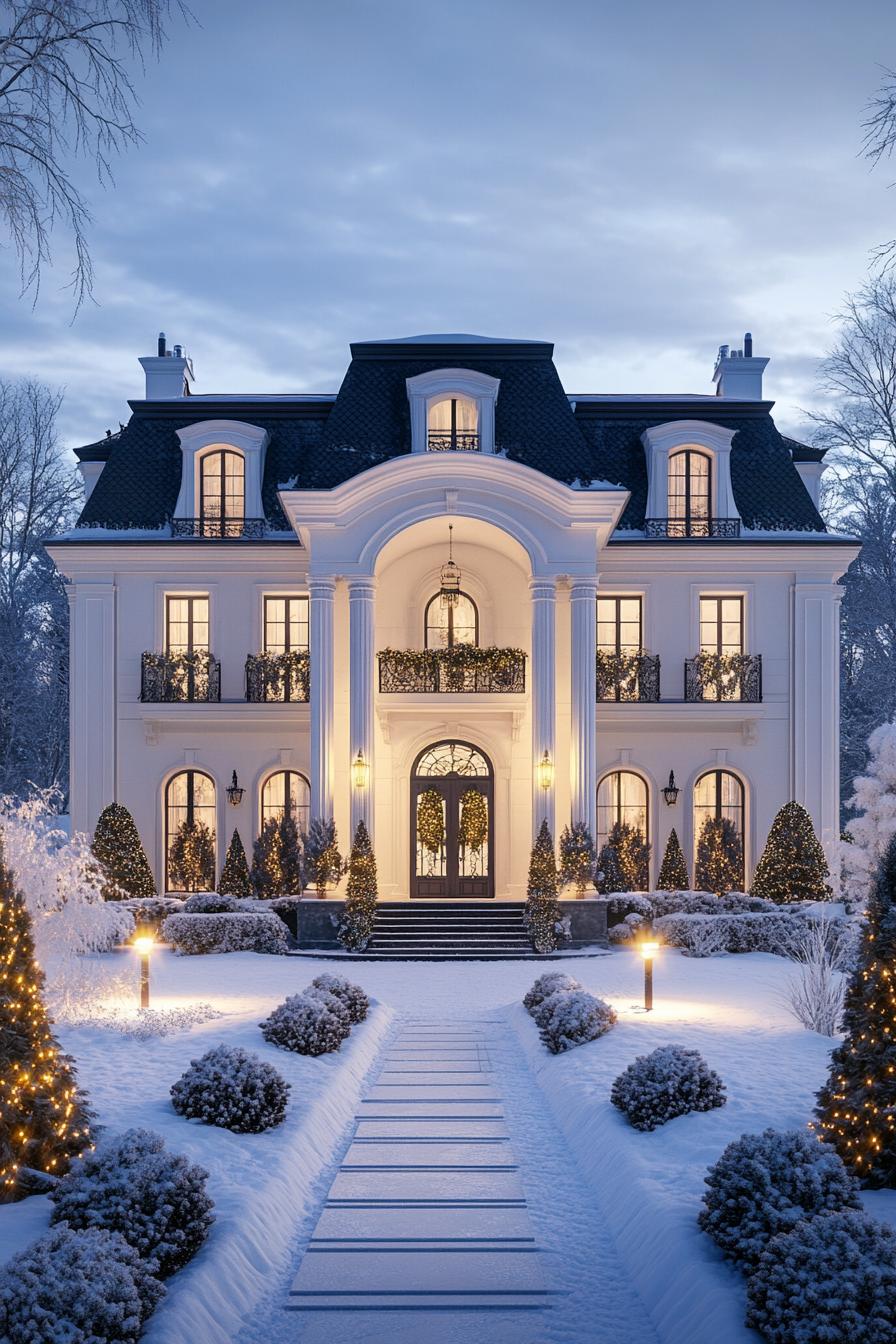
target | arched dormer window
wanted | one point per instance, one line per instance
(690, 493)
(445, 626)
(222, 493)
(453, 426)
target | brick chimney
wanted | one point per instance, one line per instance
(738, 373)
(168, 373)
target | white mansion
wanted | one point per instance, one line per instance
(264, 612)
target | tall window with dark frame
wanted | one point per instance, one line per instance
(189, 797)
(690, 494)
(722, 639)
(622, 797)
(186, 625)
(222, 493)
(719, 795)
(619, 641)
(448, 624)
(286, 791)
(286, 624)
(453, 425)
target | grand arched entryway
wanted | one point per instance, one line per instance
(452, 823)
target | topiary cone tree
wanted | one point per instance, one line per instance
(542, 910)
(793, 866)
(720, 857)
(673, 869)
(235, 879)
(577, 858)
(633, 854)
(44, 1121)
(267, 872)
(609, 877)
(117, 848)
(856, 1108)
(361, 894)
(191, 862)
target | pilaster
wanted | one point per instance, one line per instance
(321, 596)
(361, 606)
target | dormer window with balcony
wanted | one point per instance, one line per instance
(453, 426)
(452, 410)
(689, 492)
(222, 493)
(220, 489)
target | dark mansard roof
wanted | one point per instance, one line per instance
(318, 442)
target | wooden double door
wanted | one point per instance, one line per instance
(452, 831)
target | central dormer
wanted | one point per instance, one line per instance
(452, 410)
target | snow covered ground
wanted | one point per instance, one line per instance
(615, 1207)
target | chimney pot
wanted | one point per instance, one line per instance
(748, 345)
(161, 345)
(738, 373)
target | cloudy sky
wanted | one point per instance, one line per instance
(636, 181)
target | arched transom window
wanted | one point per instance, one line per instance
(286, 790)
(718, 796)
(453, 425)
(621, 797)
(690, 494)
(222, 493)
(452, 758)
(448, 624)
(189, 799)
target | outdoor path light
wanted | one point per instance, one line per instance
(648, 952)
(143, 945)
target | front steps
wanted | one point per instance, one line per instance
(450, 931)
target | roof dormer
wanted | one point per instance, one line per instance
(452, 410)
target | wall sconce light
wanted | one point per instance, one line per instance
(546, 770)
(671, 791)
(234, 792)
(143, 945)
(360, 771)
(648, 952)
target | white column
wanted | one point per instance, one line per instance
(544, 698)
(93, 709)
(815, 708)
(322, 591)
(361, 599)
(583, 660)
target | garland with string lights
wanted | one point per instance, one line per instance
(856, 1108)
(118, 848)
(44, 1120)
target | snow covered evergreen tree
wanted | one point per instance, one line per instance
(874, 798)
(119, 851)
(191, 862)
(266, 873)
(323, 862)
(235, 879)
(673, 869)
(720, 857)
(577, 857)
(793, 866)
(291, 868)
(856, 1106)
(609, 877)
(359, 913)
(633, 855)
(542, 910)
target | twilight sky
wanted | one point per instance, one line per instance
(637, 182)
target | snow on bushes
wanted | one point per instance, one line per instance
(764, 1184)
(572, 1017)
(198, 935)
(545, 986)
(831, 1278)
(670, 1081)
(351, 995)
(150, 912)
(131, 1184)
(87, 1287)
(627, 903)
(627, 931)
(781, 933)
(336, 1006)
(210, 903)
(233, 1089)
(306, 1025)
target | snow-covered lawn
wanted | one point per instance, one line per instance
(646, 1186)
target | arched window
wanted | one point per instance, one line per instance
(690, 494)
(445, 626)
(286, 790)
(622, 797)
(189, 797)
(453, 425)
(222, 493)
(719, 795)
(452, 758)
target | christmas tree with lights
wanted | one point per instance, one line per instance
(359, 913)
(720, 857)
(542, 910)
(633, 855)
(191, 861)
(856, 1108)
(609, 877)
(44, 1121)
(117, 847)
(673, 869)
(577, 857)
(235, 880)
(793, 866)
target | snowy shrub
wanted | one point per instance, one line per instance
(233, 1089)
(87, 1287)
(150, 912)
(832, 1278)
(353, 996)
(545, 986)
(196, 935)
(573, 1017)
(781, 932)
(670, 1081)
(628, 903)
(815, 993)
(628, 930)
(684, 902)
(210, 903)
(766, 1183)
(335, 1006)
(131, 1184)
(305, 1025)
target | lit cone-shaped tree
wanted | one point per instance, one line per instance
(577, 858)
(118, 849)
(609, 877)
(323, 862)
(856, 1108)
(673, 869)
(542, 910)
(633, 854)
(267, 873)
(793, 866)
(44, 1120)
(191, 862)
(291, 868)
(720, 857)
(235, 880)
(356, 925)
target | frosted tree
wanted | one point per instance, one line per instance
(874, 798)
(609, 877)
(577, 857)
(324, 865)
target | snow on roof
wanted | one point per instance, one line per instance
(451, 338)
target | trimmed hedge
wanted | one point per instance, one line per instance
(233, 1089)
(669, 1082)
(200, 935)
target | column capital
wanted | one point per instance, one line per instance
(543, 590)
(322, 587)
(583, 589)
(362, 586)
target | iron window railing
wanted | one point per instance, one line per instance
(628, 676)
(724, 676)
(179, 677)
(676, 528)
(463, 668)
(251, 529)
(279, 677)
(461, 441)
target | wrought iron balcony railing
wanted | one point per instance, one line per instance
(676, 528)
(463, 668)
(251, 529)
(278, 677)
(172, 677)
(443, 441)
(724, 676)
(628, 676)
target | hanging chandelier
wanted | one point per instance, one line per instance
(449, 579)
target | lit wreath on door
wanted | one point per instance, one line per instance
(474, 826)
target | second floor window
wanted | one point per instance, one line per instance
(690, 494)
(222, 493)
(619, 624)
(450, 625)
(453, 425)
(285, 624)
(721, 625)
(186, 625)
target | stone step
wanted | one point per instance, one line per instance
(428, 1184)
(340, 1272)
(441, 1220)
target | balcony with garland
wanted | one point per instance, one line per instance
(720, 677)
(628, 676)
(279, 678)
(179, 678)
(459, 670)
